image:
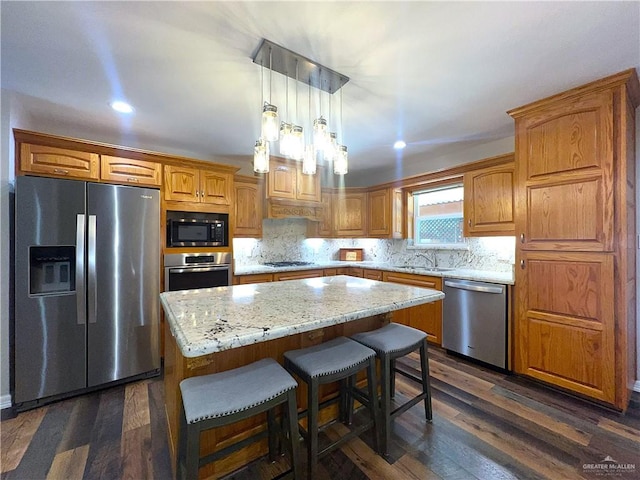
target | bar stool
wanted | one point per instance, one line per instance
(215, 400)
(391, 342)
(336, 360)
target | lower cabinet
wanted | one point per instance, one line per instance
(427, 317)
(297, 275)
(253, 278)
(372, 274)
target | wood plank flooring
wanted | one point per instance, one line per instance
(486, 425)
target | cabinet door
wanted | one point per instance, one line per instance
(489, 201)
(349, 213)
(426, 317)
(323, 228)
(181, 184)
(128, 170)
(565, 175)
(59, 162)
(215, 187)
(308, 187)
(379, 209)
(565, 323)
(248, 209)
(281, 181)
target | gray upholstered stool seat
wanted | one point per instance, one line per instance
(391, 342)
(339, 359)
(210, 401)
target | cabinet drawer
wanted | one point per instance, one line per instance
(297, 275)
(415, 280)
(254, 278)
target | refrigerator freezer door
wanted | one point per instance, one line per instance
(123, 338)
(50, 344)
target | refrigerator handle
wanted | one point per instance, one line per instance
(92, 283)
(81, 294)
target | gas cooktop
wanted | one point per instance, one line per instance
(287, 264)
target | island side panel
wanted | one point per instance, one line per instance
(178, 368)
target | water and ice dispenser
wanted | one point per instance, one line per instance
(52, 270)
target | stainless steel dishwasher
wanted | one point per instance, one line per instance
(474, 320)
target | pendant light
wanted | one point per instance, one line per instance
(261, 156)
(341, 161)
(319, 124)
(269, 129)
(309, 164)
(286, 127)
(296, 151)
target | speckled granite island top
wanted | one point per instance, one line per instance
(212, 320)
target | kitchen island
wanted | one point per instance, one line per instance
(217, 329)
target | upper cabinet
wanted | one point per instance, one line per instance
(489, 201)
(248, 207)
(385, 213)
(59, 162)
(350, 213)
(187, 184)
(127, 170)
(285, 181)
(324, 226)
(565, 174)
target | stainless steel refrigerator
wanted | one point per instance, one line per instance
(86, 286)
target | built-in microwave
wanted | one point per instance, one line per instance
(197, 229)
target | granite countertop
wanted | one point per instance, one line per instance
(211, 320)
(504, 278)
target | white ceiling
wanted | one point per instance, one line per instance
(440, 75)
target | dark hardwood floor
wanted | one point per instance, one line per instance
(486, 425)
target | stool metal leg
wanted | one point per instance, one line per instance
(312, 426)
(426, 383)
(392, 384)
(193, 450)
(181, 454)
(294, 435)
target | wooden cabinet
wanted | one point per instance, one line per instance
(566, 333)
(328, 272)
(297, 275)
(489, 201)
(248, 207)
(128, 170)
(59, 162)
(384, 207)
(356, 272)
(253, 278)
(372, 274)
(324, 226)
(188, 184)
(575, 208)
(427, 317)
(285, 181)
(350, 213)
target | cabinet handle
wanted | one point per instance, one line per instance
(132, 179)
(197, 193)
(522, 238)
(202, 193)
(61, 171)
(522, 264)
(469, 221)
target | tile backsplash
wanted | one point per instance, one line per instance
(287, 240)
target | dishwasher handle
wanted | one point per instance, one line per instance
(474, 288)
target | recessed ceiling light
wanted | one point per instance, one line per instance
(399, 145)
(122, 107)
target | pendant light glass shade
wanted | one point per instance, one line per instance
(285, 139)
(320, 133)
(341, 161)
(309, 164)
(261, 156)
(296, 151)
(269, 122)
(331, 149)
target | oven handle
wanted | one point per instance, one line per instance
(197, 269)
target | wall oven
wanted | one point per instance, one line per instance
(185, 271)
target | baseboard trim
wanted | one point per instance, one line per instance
(636, 386)
(5, 400)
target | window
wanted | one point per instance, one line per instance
(438, 216)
